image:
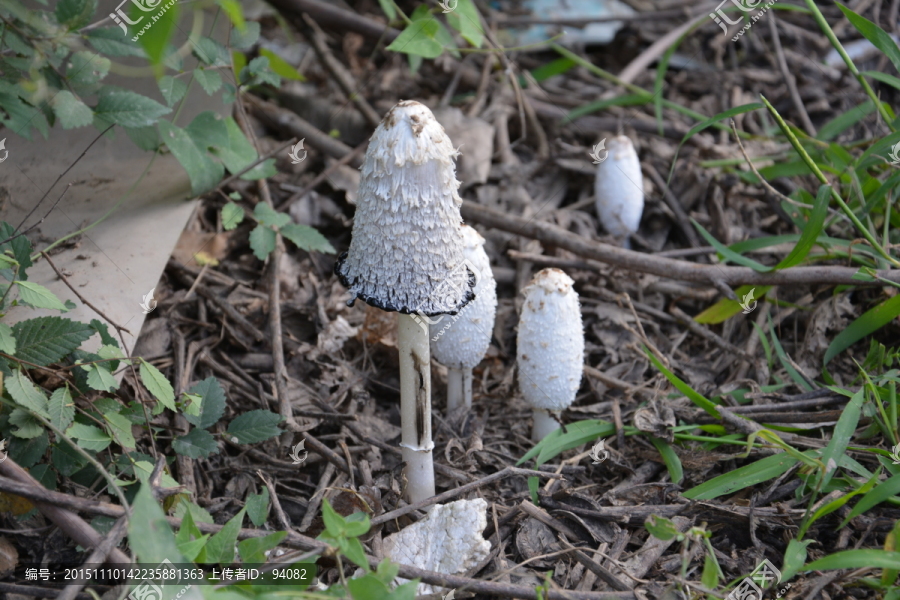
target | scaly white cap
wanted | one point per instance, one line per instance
(550, 346)
(619, 189)
(406, 251)
(460, 342)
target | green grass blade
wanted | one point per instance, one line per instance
(574, 434)
(841, 123)
(875, 34)
(598, 105)
(684, 388)
(867, 323)
(726, 308)
(811, 232)
(856, 559)
(673, 463)
(883, 78)
(840, 438)
(765, 469)
(886, 489)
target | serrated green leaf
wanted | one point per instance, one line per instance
(99, 378)
(244, 40)
(157, 384)
(209, 80)
(208, 51)
(239, 154)
(254, 426)
(258, 72)
(307, 238)
(172, 89)
(85, 70)
(281, 66)
(28, 427)
(258, 507)
(262, 241)
(198, 443)
(203, 172)
(71, 111)
(66, 459)
(75, 14)
(38, 296)
(28, 452)
(128, 108)
(232, 216)
(26, 394)
(121, 429)
(61, 408)
(7, 339)
(213, 405)
(266, 215)
(20, 247)
(89, 437)
(208, 130)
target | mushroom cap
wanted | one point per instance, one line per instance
(406, 251)
(550, 344)
(619, 188)
(460, 342)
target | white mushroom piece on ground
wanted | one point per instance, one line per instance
(619, 190)
(459, 342)
(406, 256)
(550, 348)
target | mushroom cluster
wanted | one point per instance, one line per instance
(550, 348)
(406, 255)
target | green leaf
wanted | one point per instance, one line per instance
(811, 232)
(575, 434)
(46, 340)
(842, 122)
(89, 437)
(266, 215)
(356, 524)
(209, 51)
(235, 13)
(27, 452)
(869, 322)
(71, 111)
(208, 130)
(20, 247)
(145, 138)
(281, 66)
(239, 154)
(334, 523)
(884, 490)
(86, 70)
(254, 426)
(684, 388)
(7, 339)
(467, 22)
(75, 14)
(252, 550)
(875, 34)
(99, 378)
(158, 385)
(244, 40)
(728, 253)
(726, 308)
(307, 238)
(213, 405)
(204, 173)
(209, 80)
(61, 409)
(258, 72)
(388, 7)
(38, 296)
(172, 89)
(156, 39)
(419, 38)
(198, 443)
(258, 507)
(128, 109)
(856, 559)
(232, 216)
(121, 428)
(661, 528)
(352, 549)
(28, 427)
(220, 547)
(149, 534)
(883, 78)
(262, 241)
(670, 458)
(26, 394)
(743, 477)
(794, 557)
(840, 438)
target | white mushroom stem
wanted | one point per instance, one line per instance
(459, 388)
(544, 423)
(415, 407)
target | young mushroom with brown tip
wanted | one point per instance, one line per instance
(459, 342)
(406, 256)
(550, 348)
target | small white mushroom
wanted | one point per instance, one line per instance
(619, 190)
(459, 342)
(550, 348)
(406, 256)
